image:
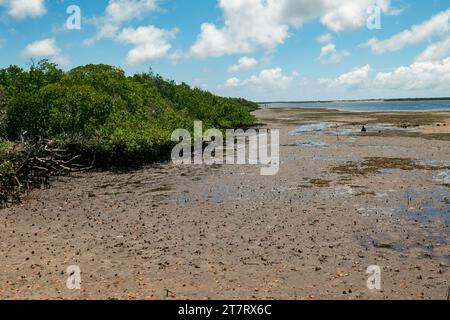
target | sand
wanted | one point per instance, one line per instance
(226, 232)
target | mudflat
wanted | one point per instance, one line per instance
(342, 201)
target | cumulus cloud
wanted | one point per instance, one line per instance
(248, 24)
(233, 82)
(436, 26)
(45, 48)
(350, 15)
(41, 48)
(21, 9)
(118, 12)
(244, 63)
(419, 75)
(351, 80)
(253, 24)
(435, 51)
(324, 38)
(268, 79)
(336, 15)
(329, 54)
(425, 75)
(150, 43)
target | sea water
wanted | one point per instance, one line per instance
(369, 106)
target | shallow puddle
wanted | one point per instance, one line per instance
(313, 127)
(442, 177)
(313, 144)
(434, 205)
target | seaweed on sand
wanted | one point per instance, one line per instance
(320, 182)
(374, 165)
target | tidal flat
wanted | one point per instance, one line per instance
(342, 201)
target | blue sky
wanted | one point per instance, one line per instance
(259, 49)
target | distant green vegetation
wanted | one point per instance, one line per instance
(98, 110)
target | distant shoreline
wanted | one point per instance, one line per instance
(392, 105)
(362, 100)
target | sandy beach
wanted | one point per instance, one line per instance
(342, 201)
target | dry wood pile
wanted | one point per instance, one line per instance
(31, 166)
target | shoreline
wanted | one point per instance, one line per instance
(367, 106)
(362, 100)
(423, 123)
(357, 111)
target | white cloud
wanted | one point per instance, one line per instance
(336, 15)
(244, 63)
(329, 54)
(351, 80)
(41, 48)
(419, 75)
(435, 26)
(150, 43)
(233, 82)
(253, 24)
(45, 48)
(435, 51)
(268, 79)
(347, 15)
(248, 24)
(324, 38)
(425, 77)
(61, 60)
(117, 13)
(21, 9)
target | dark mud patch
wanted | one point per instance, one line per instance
(320, 182)
(365, 193)
(411, 134)
(375, 165)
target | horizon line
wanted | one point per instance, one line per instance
(354, 100)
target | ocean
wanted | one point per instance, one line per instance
(369, 106)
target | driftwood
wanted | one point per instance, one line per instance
(33, 167)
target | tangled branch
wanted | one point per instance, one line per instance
(32, 167)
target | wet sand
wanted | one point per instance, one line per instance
(225, 232)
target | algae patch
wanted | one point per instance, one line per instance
(320, 182)
(374, 165)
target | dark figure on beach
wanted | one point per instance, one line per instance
(363, 129)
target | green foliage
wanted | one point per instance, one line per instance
(3, 106)
(101, 109)
(26, 114)
(9, 188)
(214, 111)
(7, 173)
(5, 148)
(76, 109)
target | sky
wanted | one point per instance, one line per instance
(263, 50)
